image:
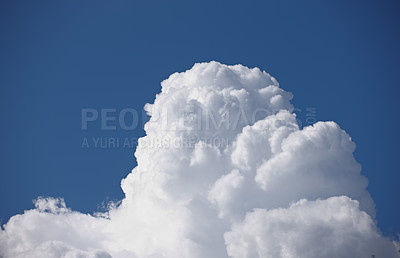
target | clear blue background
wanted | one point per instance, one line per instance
(56, 57)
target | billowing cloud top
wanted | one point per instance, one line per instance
(223, 171)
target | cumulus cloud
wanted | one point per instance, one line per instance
(223, 171)
(334, 227)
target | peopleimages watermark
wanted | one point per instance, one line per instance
(154, 142)
(108, 118)
(214, 125)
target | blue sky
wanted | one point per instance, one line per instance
(58, 57)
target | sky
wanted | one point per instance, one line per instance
(338, 58)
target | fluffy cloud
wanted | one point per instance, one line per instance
(224, 170)
(52, 230)
(334, 227)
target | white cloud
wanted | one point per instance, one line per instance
(223, 170)
(52, 230)
(333, 227)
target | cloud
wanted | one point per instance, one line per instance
(333, 227)
(224, 170)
